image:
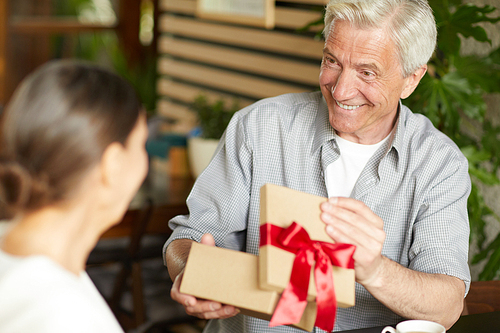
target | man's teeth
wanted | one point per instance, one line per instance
(347, 107)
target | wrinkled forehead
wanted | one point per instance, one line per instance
(361, 47)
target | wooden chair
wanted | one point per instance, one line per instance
(483, 296)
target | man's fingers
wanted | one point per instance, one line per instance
(185, 300)
(351, 211)
(207, 239)
(353, 226)
(348, 221)
(354, 206)
(176, 295)
(200, 308)
(346, 233)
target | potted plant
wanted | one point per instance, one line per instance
(451, 94)
(213, 119)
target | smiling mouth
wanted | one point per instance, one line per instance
(347, 107)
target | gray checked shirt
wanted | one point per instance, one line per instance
(417, 182)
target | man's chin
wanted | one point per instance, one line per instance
(343, 127)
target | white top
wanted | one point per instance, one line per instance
(39, 296)
(341, 175)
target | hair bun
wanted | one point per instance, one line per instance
(15, 188)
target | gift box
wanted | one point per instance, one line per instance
(231, 277)
(290, 213)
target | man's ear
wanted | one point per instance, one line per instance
(412, 81)
(111, 163)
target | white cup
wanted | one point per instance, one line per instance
(415, 326)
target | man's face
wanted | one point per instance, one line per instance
(361, 81)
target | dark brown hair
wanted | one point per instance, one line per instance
(57, 125)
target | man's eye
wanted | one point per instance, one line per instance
(368, 74)
(329, 60)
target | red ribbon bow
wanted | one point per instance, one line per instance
(293, 301)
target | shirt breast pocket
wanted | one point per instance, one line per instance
(397, 229)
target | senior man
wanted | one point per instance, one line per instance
(398, 187)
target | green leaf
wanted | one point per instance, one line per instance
(495, 56)
(481, 72)
(477, 209)
(490, 142)
(492, 267)
(69, 7)
(474, 155)
(441, 12)
(213, 118)
(484, 176)
(463, 96)
(484, 253)
(448, 40)
(440, 99)
(442, 9)
(468, 14)
(462, 22)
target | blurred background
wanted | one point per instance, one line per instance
(118, 34)
(193, 70)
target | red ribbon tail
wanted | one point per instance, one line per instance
(293, 301)
(325, 298)
(289, 309)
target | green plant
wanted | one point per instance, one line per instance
(451, 96)
(142, 76)
(104, 48)
(213, 117)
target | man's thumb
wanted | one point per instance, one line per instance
(207, 239)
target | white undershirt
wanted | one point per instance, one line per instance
(341, 175)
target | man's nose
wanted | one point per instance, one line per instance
(346, 86)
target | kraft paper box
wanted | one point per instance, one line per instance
(231, 277)
(282, 206)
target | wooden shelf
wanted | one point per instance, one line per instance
(49, 25)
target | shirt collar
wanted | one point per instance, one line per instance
(325, 132)
(399, 132)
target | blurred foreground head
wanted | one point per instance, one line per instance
(56, 127)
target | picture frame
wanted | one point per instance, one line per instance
(258, 13)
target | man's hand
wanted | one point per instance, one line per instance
(201, 308)
(351, 221)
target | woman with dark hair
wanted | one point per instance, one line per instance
(72, 157)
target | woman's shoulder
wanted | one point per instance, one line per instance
(41, 296)
(34, 271)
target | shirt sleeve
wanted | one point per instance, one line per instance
(218, 203)
(441, 232)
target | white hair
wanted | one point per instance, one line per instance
(410, 25)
